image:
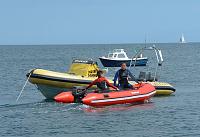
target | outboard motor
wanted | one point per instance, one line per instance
(79, 93)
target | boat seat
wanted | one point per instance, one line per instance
(150, 78)
(142, 76)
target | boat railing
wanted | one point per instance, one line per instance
(159, 58)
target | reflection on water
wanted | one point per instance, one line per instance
(121, 107)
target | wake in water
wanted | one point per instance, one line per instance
(41, 107)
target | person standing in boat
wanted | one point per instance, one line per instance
(102, 83)
(123, 75)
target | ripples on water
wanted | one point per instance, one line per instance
(33, 116)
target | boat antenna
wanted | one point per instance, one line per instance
(145, 40)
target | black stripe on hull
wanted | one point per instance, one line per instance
(165, 88)
(56, 79)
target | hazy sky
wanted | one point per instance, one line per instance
(98, 21)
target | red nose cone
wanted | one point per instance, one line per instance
(64, 97)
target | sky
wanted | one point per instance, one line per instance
(98, 21)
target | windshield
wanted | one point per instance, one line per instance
(115, 55)
(121, 56)
(110, 55)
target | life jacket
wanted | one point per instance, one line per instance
(102, 85)
(123, 76)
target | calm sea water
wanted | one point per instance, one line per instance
(171, 116)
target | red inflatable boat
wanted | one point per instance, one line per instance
(142, 93)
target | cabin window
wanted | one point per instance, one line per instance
(110, 55)
(121, 56)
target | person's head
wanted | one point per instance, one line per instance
(99, 73)
(123, 66)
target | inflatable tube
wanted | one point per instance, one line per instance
(140, 95)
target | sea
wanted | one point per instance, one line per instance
(32, 115)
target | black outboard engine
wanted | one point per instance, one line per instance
(79, 93)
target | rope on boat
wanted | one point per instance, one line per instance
(23, 87)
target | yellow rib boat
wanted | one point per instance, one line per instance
(81, 73)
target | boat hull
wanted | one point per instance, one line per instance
(163, 89)
(117, 63)
(50, 92)
(50, 84)
(140, 95)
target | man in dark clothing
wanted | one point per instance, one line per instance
(102, 83)
(122, 75)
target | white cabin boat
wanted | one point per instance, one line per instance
(119, 56)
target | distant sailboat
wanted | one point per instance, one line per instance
(182, 39)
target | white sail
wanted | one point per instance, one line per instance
(182, 39)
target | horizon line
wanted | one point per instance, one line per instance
(95, 44)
